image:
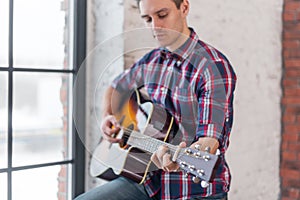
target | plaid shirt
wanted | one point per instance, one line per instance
(195, 83)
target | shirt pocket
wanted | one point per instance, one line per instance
(186, 105)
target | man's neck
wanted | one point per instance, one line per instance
(181, 40)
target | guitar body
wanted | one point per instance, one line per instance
(145, 127)
(110, 160)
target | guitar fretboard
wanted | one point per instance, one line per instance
(193, 161)
(147, 143)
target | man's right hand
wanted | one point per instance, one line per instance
(110, 127)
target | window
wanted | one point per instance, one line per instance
(43, 45)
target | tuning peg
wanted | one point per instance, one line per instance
(204, 184)
(188, 151)
(192, 167)
(183, 164)
(207, 149)
(206, 157)
(200, 172)
(197, 146)
(196, 179)
(197, 154)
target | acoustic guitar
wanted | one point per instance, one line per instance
(145, 127)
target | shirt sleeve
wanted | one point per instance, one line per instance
(215, 96)
(130, 79)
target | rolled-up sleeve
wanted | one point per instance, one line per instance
(215, 96)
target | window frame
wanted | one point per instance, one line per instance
(77, 160)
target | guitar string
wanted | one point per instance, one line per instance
(142, 136)
(157, 142)
(171, 147)
(180, 153)
(145, 137)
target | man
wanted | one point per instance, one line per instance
(195, 83)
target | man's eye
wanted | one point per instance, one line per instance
(162, 15)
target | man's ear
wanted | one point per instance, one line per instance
(185, 7)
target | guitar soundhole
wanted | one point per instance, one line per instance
(126, 134)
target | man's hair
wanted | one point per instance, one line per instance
(177, 3)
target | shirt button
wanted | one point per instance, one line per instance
(227, 119)
(178, 63)
(162, 89)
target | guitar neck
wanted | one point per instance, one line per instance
(147, 143)
(191, 160)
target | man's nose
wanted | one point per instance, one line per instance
(156, 24)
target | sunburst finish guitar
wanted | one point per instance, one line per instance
(145, 127)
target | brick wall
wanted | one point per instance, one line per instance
(62, 175)
(290, 149)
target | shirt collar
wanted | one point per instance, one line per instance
(184, 50)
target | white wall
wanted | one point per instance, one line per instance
(249, 33)
(104, 61)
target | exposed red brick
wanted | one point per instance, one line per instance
(295, 148)
(62, 186)
(290, 174)
(62, 176)
(66, 110)
(294, 183)
(298, 16)
(292, 110)
(289, 119)
(292, 137)
(62, 196)
(63, 171)
(289, 16)
(295, 53)
(292, 27)
(291, 164)
(65, 127)
(291, 100)
(292, 73)
(289, 156)
(298, 119)
(294, 92)
(284, 146)
(294, 193)
(290, 147)
(291, 6)
(292, 63)
(291, 83)
(291, 35)
(291, 53)
(291, 44)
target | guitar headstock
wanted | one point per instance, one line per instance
(198, 163)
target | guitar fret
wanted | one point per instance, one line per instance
(145, 142)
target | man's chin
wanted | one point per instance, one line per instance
(162, 43)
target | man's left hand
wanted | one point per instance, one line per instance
(163, 159)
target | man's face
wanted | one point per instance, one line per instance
(166, 21)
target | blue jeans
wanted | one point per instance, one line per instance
(118, 189)
(125, 189)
